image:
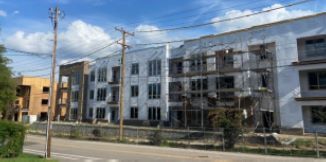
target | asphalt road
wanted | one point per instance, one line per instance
(66, 150)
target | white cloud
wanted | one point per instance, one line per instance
(149, 37)
(3, 13)
(78, 40)
(32, 42)
(81, 38)
(273, 16)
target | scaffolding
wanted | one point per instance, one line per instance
(245, 84)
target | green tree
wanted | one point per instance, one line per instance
(7, 85)
(230, 121)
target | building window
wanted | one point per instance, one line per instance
(91, 94)
(228, 60)
(225, 82)
(264, 80)
(46, 90)
(101, 74)
(90, 112)
(315, 47)
(92, 78)
(317, 80)
(134, 91)
(115, 94)
(175, 67)
(318, 114)
(175, 89)
(134, 112)
(73, 113)
(154, 91)
(74, 96)
(45, 102)
(224, 59)
(113, 114)
(154, 68)
(134, 69)
(198, 64)
(75, 78)
(198, 84)
(154, 113)
(263, 53)
(100, 113)
(101, 94)
(116, 74)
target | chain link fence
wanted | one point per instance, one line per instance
(248, 140)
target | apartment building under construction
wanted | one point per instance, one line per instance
(273, 73)
(73, 81)
(32, 100)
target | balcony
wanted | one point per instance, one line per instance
(311, 49)
(113, 101)
(115, 76)
(312, 85)
(114, 82)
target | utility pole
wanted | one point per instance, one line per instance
(122, 75)
(54, 14)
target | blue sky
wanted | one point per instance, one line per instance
(89, 24)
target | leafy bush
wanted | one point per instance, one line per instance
(75, 133)
(96, 133)
(156, 137)
(230, 121)
(302, 143)
(12, 137)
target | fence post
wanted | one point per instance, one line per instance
(243, 141)
(316, 140)
(265, 141)
(188, 133)
(205, 139)
(223, 142)
(137, 140)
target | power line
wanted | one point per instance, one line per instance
(93, 52)
(47, 74)
(28, 52)
(74, 60)
(175, 15)
(182, 12)
(223, 20)
(36, 70)
(211, 13)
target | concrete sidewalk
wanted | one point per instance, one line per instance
(67, 150)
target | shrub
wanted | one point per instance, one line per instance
(230, 121)
(96, 133)
(75, 133)
(156, 137)
(12, 137)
